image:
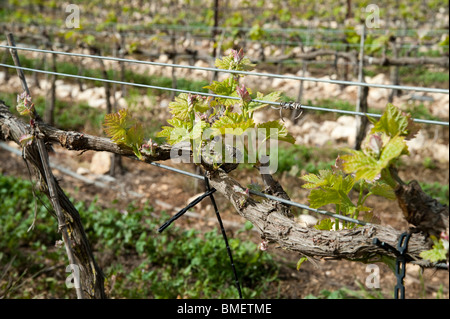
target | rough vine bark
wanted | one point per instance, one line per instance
(91, 276)
(422, 211)
(271, 218)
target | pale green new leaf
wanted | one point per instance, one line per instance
(178, 132)
(276, 130)
(392, 150)
(180, 107)
(437, 253)
(321, 197)
(135, 135)
(116, 126)
(197, 130)
(232, 123)
(271, 97)
(315, 181)
(364, 167)
(227, 88)
(123, 129)
(228, 63)
(346, 205)
(367, 167)
(344, 184)
(394, 122)
(325, 224)
(384, 190)
(225, 63)
(222, 88)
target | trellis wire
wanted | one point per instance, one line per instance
(306, 107)
(275, 198)
(271, 75)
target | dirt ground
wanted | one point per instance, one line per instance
(169, 191)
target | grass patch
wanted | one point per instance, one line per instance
(300, 159)
(437, 191)
(421, 76)
(144, 263)
(420, 111)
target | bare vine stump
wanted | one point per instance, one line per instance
(422, 211)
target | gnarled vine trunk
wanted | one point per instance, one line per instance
(91, 276)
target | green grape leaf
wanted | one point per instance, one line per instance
(227, 88)
(321, 197)
(333, 189)
(324, 179)
(325, 224)
(221, 88)
(123, 129)
(392, 150)
(364, 167)
(135, 135)
(276, 130)
(315, 181)
(438, 251)
(232, 123)
(229, 62)
(329, 179)
(384, 190)
(226, 63)
(186, 104)
(178, 132)
(271, 97)
(367, 167)
(197, 130)
(344, 184)
(394, 122)
(116, 126)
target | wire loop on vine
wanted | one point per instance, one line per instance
(289, 106)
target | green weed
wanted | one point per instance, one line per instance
(142, 262)
(437, 191)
